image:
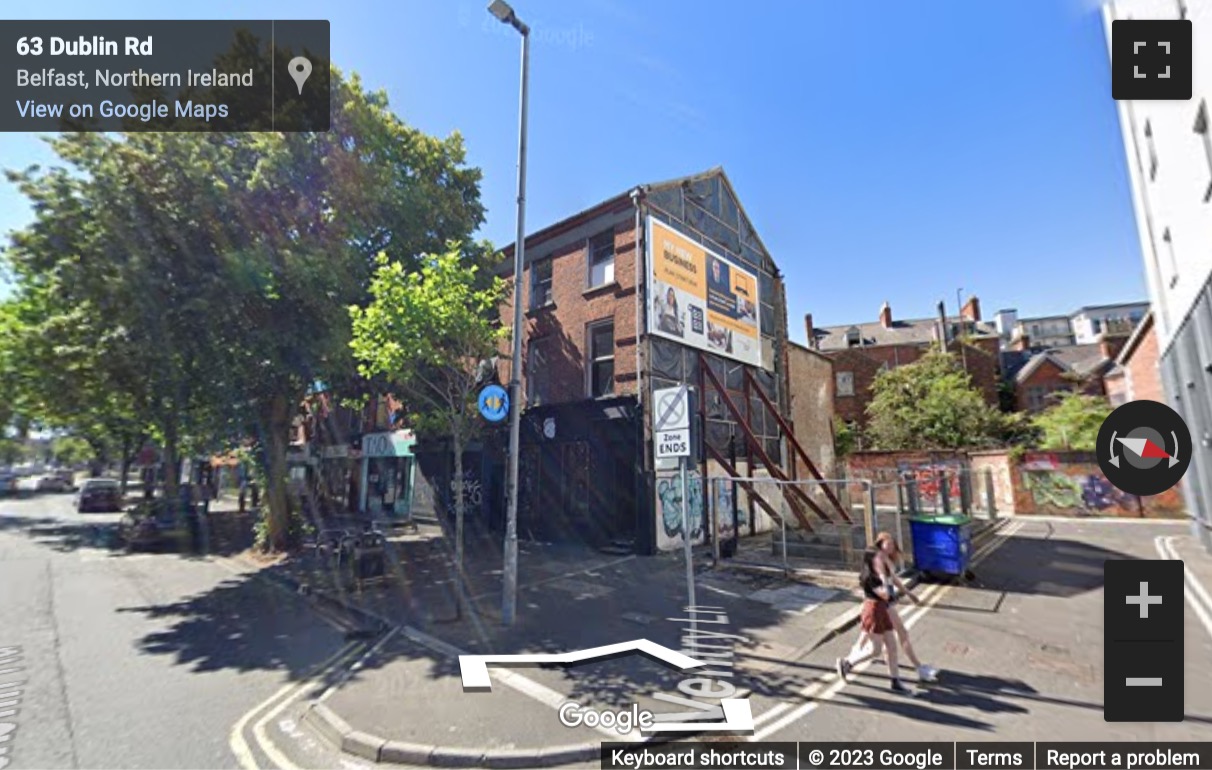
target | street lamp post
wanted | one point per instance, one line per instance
(509, 599)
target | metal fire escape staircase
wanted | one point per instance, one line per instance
(798, 501)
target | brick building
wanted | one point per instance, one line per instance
(860, 351)
(1136, 375)
(1037, 377)
(662, 285)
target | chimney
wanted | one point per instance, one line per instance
(1021, 343)
(972, 309)
(886, 315)
(809, 328)
(1110, 345)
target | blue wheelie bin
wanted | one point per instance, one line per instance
(942, 545)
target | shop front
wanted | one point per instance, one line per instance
(340, 478)
(387, 473)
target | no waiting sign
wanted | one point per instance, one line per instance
(671, 409)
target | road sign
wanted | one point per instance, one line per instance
(671, 409)
(494, 403)
(673, 443)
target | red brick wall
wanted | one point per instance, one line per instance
(1143, 375)
(561, 330)
(1048, 376)
(980, 359)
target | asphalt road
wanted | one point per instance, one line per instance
(1021, 653)
(139, 660)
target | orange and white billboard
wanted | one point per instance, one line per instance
(700, 299)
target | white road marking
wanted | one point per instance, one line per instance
(1193, 590)
(832, 685)
(810, 691)
(236, 740)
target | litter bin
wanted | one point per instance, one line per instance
(369, 557)
(942, 545)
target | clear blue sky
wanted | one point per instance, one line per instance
(885, 151)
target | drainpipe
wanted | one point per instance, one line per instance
(644, 525)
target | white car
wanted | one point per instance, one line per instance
(53, 483)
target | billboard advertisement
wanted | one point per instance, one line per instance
(700, 299)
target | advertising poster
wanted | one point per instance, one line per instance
(700, 299)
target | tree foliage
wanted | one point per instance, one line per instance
(428, 332)
(194, 286)
(930, 404)
(1072, 422)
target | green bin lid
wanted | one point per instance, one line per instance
(947, 520)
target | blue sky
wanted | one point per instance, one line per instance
(890, 151)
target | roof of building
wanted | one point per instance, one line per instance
(623, 200)
(910, 331)
(1138, 334)
(1080, 360)
(1108, 307)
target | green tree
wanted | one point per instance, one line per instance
(428, 332)
(71, 450)
(930, 404)
(203, 279)
(1072, 422)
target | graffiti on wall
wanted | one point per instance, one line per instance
(722, 491)
(1077, 492)
(929, 477)
(469, 487)
(669, 508)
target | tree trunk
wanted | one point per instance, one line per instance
(460, 501)
(278, 520)
(125, 464)
(171, 468)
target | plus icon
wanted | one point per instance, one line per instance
(1144, 600)
(1151, 59)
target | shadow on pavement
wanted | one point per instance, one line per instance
(1045, 566)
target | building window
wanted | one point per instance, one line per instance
(537, 373)
(601, 359)
(1096, 325)
(1037, 398)
(845, 383)
(1152, 150)
(1173, 257)
(540, 283)
(1201, 128)
(601, 259)
(854, 337)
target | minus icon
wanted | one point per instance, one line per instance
(1144, 681)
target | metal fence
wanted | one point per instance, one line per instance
(797, 524)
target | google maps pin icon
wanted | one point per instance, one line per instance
(300, 70)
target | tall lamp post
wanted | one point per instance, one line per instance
(509, 599)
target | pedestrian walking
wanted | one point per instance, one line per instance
(876, 623)
(888, 561)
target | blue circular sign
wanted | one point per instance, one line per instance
(494, 403)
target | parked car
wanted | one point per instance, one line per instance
(102, 495)
(52, 483)
(8, 484)
(153, 524)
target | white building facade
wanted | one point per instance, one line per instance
(1169, 149)
(1091, 323)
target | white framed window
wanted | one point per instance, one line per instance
(601, 259)
(1173, 257)
(1152, 150)
(540, 283)
(600, 338)
(1201, 128)
(844, 382)
(537, 372)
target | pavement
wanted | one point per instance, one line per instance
(168, 660)
(571, 598)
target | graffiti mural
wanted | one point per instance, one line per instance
(1056, 491)
(669, 508)
(722, 491)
